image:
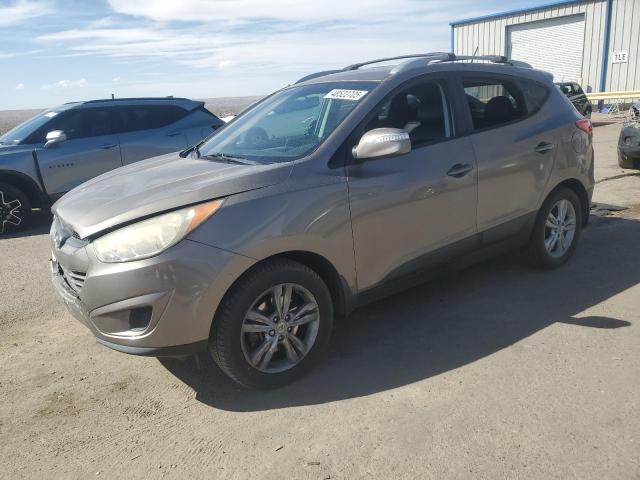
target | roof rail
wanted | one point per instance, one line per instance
(417, 60)
(451, 57)
(356, 66)
(311, 76)
(129, 99)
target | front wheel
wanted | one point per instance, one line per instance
(273, 325)
(556, 231)
(15, 209)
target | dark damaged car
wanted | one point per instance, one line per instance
(629, 141)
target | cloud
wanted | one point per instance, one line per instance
(18, 54)
(65, 84)
(116, 79)
(265, 47)
(20, 86)
(22, 10)
(226, 63)
(288, 10)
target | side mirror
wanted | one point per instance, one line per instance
(54, 137)
(382, 142)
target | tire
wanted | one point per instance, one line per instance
(232, 346)
(15, 209)
(537, 252)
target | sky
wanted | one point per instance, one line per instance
(55, 51)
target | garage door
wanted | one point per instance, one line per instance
(553, 45)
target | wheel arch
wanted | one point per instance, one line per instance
(579, 189)
(26, 185)
(341, 296)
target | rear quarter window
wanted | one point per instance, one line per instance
(535, 95)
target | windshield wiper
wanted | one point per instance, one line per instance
(229, 158)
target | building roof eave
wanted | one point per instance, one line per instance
(557, 3)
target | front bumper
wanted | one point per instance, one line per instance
(160, 306)
(629, 148)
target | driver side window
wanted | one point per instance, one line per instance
(421, 110)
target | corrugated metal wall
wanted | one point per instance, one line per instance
(625, 35)
(490, 38)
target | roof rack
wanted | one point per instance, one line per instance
(129, 99)
(442, 55)
(417, 60)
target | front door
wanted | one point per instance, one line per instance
(90, 149)
(406, 208)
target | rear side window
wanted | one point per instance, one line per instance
(147, 117)
(493, 102)
(578, 89)
(566, 88)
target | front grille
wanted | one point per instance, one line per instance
(74, 279)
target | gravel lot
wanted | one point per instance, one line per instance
(499, 371)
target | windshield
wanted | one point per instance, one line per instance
(289, 125)
(22, 131)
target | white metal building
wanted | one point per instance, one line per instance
(593, 42)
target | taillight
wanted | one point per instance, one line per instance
(585, 126)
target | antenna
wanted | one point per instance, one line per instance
(475, 52)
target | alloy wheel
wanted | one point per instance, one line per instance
(280, 328)
(9, 211)
(560, 228)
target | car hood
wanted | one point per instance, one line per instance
(156, 185)
(11, 148)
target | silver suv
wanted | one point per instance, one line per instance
(325, 195)
(60, 148)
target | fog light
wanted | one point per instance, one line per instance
(139, 318)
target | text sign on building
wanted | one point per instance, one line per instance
(620, 57)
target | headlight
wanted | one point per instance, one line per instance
(153, 236)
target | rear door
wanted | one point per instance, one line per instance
(150, 130)
(404, 208)
(514, 146)
(91, 148)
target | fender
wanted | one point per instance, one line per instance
(28, 185)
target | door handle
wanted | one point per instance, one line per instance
(459, 170)
(107, 146)
(173, 134)
(544, 147)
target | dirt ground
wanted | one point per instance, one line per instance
(499, 371)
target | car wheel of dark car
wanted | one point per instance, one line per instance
(15, 209)
(273, 325)
(556, 231)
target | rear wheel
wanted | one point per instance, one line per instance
(273, 326)
(15, 209)
(556, 231)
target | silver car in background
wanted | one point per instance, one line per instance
(60, 148)
(328, 194)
